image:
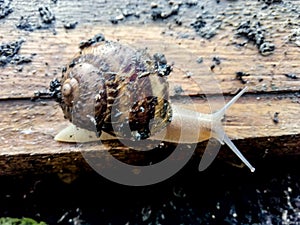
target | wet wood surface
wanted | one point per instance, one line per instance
(27, 127)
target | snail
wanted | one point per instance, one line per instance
(112, 90)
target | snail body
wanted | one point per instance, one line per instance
(110, 90)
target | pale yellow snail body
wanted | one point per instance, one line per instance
(113, 91)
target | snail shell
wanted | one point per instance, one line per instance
(109, 86)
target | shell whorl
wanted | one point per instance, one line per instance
(113, 88)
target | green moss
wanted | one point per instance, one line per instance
(16, 221)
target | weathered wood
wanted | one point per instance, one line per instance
(53, 52)
(26, 125)
(27, 128)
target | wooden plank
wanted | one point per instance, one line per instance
(26, 126)
(55, 51)
(266, 73)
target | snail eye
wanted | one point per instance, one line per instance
(66, 89)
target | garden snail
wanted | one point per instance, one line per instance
(109, 87)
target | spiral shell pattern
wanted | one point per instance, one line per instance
(114, 88)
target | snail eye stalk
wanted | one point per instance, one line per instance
(219, 133)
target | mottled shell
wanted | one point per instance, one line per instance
(113, 88)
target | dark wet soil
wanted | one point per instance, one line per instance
(220, 195)
(9, 53)
(5, 8)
